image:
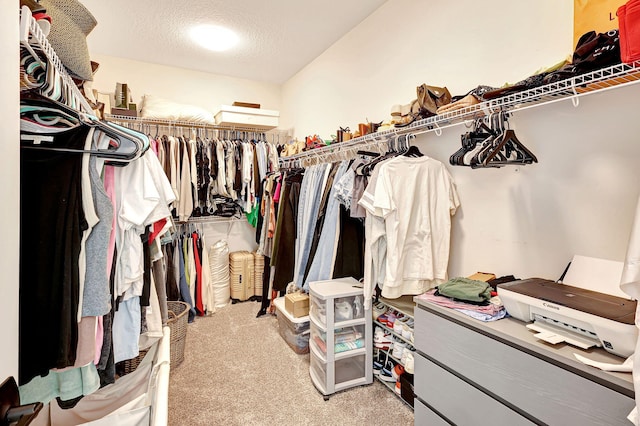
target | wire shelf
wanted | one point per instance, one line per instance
(31, 34)
(615, 76)
(185, 124)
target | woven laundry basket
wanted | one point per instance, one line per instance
(178, 320)
(177, 323)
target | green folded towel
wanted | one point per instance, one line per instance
(465, 289)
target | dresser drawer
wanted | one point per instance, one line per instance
(545, 391)
(458, 401)
(423, 416)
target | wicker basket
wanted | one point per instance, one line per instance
(177, 323)
(129, 365)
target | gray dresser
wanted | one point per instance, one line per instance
(468, 372)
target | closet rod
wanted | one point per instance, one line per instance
(612, 77)
(188, 124)
(212, 220)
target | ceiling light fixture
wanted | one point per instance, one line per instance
(214, 37)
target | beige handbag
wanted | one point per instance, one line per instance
(465, 102)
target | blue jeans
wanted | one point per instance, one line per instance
(322, 265)
(310, 197)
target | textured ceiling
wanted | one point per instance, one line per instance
(277, 37)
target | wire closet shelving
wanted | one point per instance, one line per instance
(573, 88)
(31, 36)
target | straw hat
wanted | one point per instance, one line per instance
(71, 22)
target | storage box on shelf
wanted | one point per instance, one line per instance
(393, 344)
(340, 344)
(295, 331)
(230, 115)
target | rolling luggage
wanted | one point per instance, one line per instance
(241, 275)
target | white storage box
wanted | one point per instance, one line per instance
(263, 119)
(295, 331)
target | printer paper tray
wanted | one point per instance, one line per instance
(554, 335)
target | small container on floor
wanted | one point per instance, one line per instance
(294, 331)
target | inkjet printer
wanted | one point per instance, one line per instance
(580, 317)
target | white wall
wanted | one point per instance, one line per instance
(527, 221)
(458, 44)
(579, 199)
(10, 189)
(181, 85)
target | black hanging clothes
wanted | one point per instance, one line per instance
(350, 249)
(52, 225)
(285, 236)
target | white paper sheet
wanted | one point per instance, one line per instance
(594, 274)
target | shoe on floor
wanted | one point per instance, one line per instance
(378, 309)
(382, 339)
(409, 363)
(386, 374)
(397, 371)
(378, 362)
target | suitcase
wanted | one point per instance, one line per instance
(258, 269)
(241, 275)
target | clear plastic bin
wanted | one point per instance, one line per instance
(319, 369)
(348, 308)
(294, 331)
(351, 368)
(345, 339)
(318, 309)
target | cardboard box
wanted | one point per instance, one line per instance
(482, 276)
(297, 304)
(125, 112)
(591, 15)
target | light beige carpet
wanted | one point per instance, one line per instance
(239, 371)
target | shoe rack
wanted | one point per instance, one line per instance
(404, 308)
(341, 338)
(573, 88)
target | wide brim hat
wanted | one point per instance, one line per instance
(71, 22)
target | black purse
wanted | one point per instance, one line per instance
(593, 51)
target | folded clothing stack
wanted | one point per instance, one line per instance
(466, 290)
(470, 297)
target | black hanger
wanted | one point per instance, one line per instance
(368, 153)
(126, 147)
(505, 147)
(413, 151)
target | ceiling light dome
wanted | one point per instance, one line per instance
(214, 37)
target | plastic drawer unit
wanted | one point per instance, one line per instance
(341, 342)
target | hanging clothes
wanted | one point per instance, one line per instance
(84, 266)
(49, 253)
(323, 258)
(409, 203)
(206, 172)
(311, 191)
(284, 240)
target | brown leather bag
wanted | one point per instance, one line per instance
(430, 98)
